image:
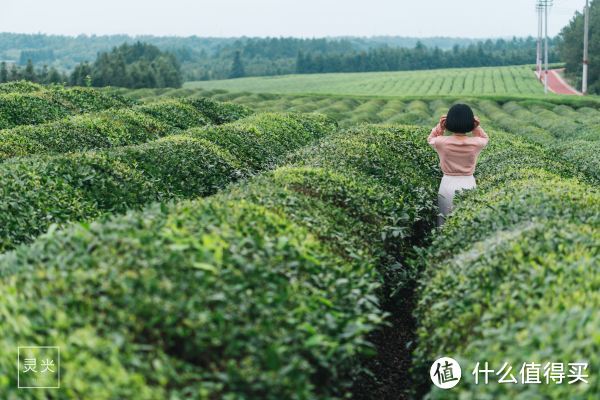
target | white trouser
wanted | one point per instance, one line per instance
(448, 188)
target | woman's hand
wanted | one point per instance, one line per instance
(476, 123)
(443, 122)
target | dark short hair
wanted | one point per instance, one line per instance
(460, 119)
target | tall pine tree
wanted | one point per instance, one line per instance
(237, 67)
(3, 72)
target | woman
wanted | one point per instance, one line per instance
(458, 153)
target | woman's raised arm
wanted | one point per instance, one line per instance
(479, 133)
(437, 131)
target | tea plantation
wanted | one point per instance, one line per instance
(455, 81)
(176, 246)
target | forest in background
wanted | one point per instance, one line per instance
(213, 58)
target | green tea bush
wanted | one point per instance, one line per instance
(183, 166)
(268, 290)
(222, 295)
(571, 134)
(379, 176)
(261, 139)
(112, 128)
(40, 191)
(48, 105)
(401, 161)
(13, 144)
(219, 112)
(83, 100)
(82, 132)
(511, 276)
(583, 153)
(20, 87)
(29, 108)
(175, 113)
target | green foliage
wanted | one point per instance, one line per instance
(35, 107)
(31, 74)
(569, 135)
(82, 100)
(39, 191)
(457, 81)
(511, 276)
(261, 139)
(237, 67)
(115, 127)
(268, 290)
(175, 113)
(29, 108)
(571, 47)
(20, 87)
(482, 54)
(585, 154)
(140, 65)
(567, 125)
(82, 132)
(218, 112)
(272, 288)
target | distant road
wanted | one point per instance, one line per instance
(556, 83)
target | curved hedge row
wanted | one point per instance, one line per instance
(182, 111)
(40, 191)
(112, 128)
(82, 132)
(20, 87)
(266, 291)
(512, 277)
(219, 112)
(570, 135)
(24, 108)
(260, 143)
(586, 154)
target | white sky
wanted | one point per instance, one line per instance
(305, 18)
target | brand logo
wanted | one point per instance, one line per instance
(445, 372)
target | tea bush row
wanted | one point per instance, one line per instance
(267, 290)
(512, 277)
(115, 127)
(36, 192)
(35, 107)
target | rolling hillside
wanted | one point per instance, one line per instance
(466, 81)
(175, 246)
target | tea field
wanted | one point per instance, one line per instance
(460, 81)
(198, 243)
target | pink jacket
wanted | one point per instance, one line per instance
(458, 153)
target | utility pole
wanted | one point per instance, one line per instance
(538, 59)
(586, 38)
(545, 5)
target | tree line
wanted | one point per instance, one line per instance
(482, 54)
(200, 57)
(45, 74)
(140, 65)
(278, 56)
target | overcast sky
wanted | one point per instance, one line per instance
(305, 18)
